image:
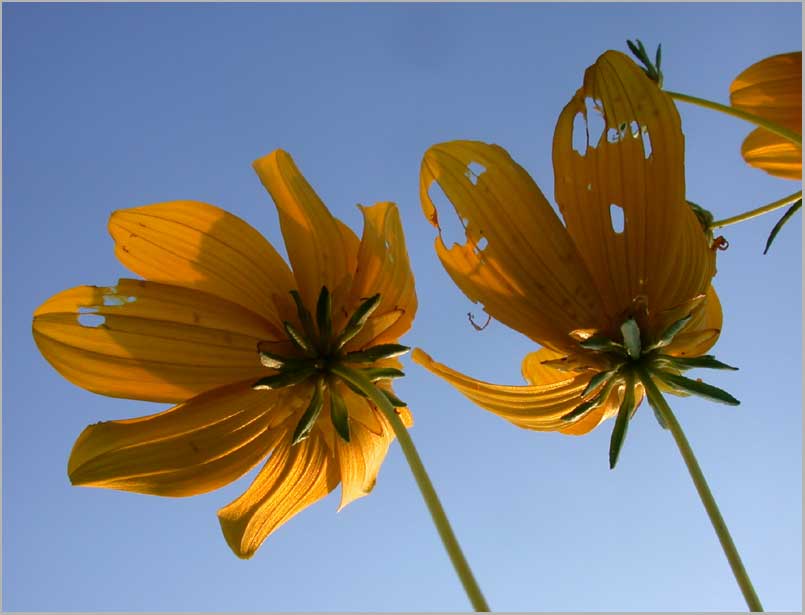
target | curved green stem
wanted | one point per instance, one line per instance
(754, 213)
(782, 131)
(423, 481)
(658, 402)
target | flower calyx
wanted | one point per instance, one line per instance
(320, 349)
(652, 69)
(627, 362)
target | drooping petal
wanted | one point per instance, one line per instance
(529, 274)
(200, 246)
(322, 250)
(195, 447)
(149, 341)
(383, 267)
(772, 89)
(623, 195)
(702, 331)
(536, 406)
(293, 478)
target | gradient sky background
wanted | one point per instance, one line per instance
(108, 106)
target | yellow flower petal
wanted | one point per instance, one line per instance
(383, 267)
(200, 246)
(195, 447)
(293, 478)
(150, 341)
(537, 406)
(322, 250)
(772, 89)
(632, 164)
(529, 275)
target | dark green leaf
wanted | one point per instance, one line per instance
(381, 373)
(339, 414)
(395, 401)
(297, 338)
(668, 335)
(308, 420)
(596, 401)
(275, 361)
(601, 343)
(284, 379)
(376, 353)
(621, 422)
(695, 387)
(706, 361)
(631, 338)
(305, 318)
(358, 319)
(781, 222)
(596, 380)
(324, 314)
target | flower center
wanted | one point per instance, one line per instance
(321, 350)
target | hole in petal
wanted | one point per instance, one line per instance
(613, 135)
(91, 320)
(616, 218)
(589, 187)
(635, 128)
(481, 244)
(452, 229)
(474, 171)
(579, 134)
(113, 300)
(92, 309)
(646, 143)
(595, 121)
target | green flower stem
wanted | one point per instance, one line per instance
(656, 399)
(748, 215)
(782, 131)
(423, 481)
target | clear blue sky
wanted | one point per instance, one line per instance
(107, 106)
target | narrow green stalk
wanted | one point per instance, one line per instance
(782, 131)
(748, 215)
(449, 540)
(656, 399)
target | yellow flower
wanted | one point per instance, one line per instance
(223, 327)
(600, 297)
(772, 89)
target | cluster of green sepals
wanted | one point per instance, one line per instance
(320, 350)
(652, 69)
(629, 363)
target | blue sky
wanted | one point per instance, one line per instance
(107, 106)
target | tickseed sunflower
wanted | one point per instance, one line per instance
(772, 89)
(246, 347)
(617, 295)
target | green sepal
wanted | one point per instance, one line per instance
(353, 388)
(599, 378)
(284, 379)
(275, 361)
(656, 412)
(622, 422)
(358, 320)
(694, 387)
(308, 420)
(304, 317)
(652, 70)
(324, 315)
(601, 343)
(631, 338)
(781, 222)
(376, 353)
(596, 401)
(339, 415)
(297, 338)
(393, 399)
(684, 363)
(670, 333)
(381, 373)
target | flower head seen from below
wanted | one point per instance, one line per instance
(622, 289)
(245, 346)
(772, 90)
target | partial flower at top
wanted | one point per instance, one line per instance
(245, 346)
(772, 89)
(624, 282)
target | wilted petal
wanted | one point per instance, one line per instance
(150, 341)
(631, 165)
(529, 275)
(195, 447)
